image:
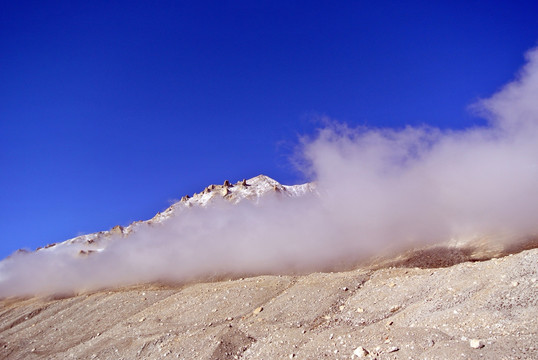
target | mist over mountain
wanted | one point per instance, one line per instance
(373, 190)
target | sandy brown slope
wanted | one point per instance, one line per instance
(394, 312)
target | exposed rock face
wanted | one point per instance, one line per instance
(465, 310)
(117, 230)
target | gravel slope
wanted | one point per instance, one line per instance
(407, 309)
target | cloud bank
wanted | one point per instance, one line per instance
(379, 188)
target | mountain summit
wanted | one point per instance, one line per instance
(252, 189)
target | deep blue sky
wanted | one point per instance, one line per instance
(108, 110)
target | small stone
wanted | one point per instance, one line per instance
(476, 344)
(515, 283)
(142, 319)
(292, 356)
(257, 310)
(229, 318)
(341, 307)
(360, 352)
(345, 288)
(393, 349)
(360, 310)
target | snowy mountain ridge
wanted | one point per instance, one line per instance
(252, 190)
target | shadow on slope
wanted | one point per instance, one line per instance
(441, 256)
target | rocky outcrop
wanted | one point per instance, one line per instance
(117, 230)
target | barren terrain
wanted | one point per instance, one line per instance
(437, 303)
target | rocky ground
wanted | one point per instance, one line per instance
(437, 303)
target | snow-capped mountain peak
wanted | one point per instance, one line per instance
(245, 190)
